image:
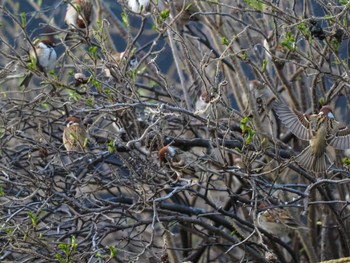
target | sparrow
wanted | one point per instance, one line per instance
(277, 222)
(179, 162)
(43, 56)
(138, 5)
(276, 51)
(320, 130)
(80, 79)
(74, 135)
(80, 14)
(211, 106)
(118, 59)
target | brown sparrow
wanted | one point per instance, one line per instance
(80, 14)
(119, 58)
(276, 221)
(74, 135)
(275, 50)
(43, 55)
(178, 161)
(80, 79)
(207, 105)
(319, 129)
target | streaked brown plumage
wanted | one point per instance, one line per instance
(277, 221)
(180, 162)
(320, 130)
(74, 135)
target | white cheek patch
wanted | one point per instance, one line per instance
(330, 115)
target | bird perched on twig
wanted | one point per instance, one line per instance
(74, 135)
(80, 14)
(181, 163)
(319, 129)
(211, 106)
(43, 57)
(277, 221)
(117, 59)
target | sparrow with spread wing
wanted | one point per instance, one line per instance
(319, 129)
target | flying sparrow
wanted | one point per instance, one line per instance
(74, 135)
(80, 14)
(43, 56)
(319, 129)
(178, 161)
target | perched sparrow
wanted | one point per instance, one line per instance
(44, 56)
(80, 14)
(276, 221)
(276, 51)
(74, 135)
(138, 5)
(80, 79)
(319, 129)
(211, 106)
(119, 58)
(179, 162)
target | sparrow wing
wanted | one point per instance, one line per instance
(295, 121)
(341, 140)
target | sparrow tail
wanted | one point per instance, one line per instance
(310, 162)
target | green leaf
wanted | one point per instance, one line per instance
(125, 20)
(72, 94)
(33, 218)
(303, 29)
(111, 146)
(244, 55)
(165, 14)
(251, 134)
(86, 141)
(188, 6)
(255, 4)
(45, 106)
(289, 42)
(335, 44)
(224, 41)
(343, 2)
(321, 101)
(264, 65)
(90, 102)
(2, 134)
(23, 19)
(93, 52)
(346, 161)
(96, 84)
(112, 252)
(244, 124)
